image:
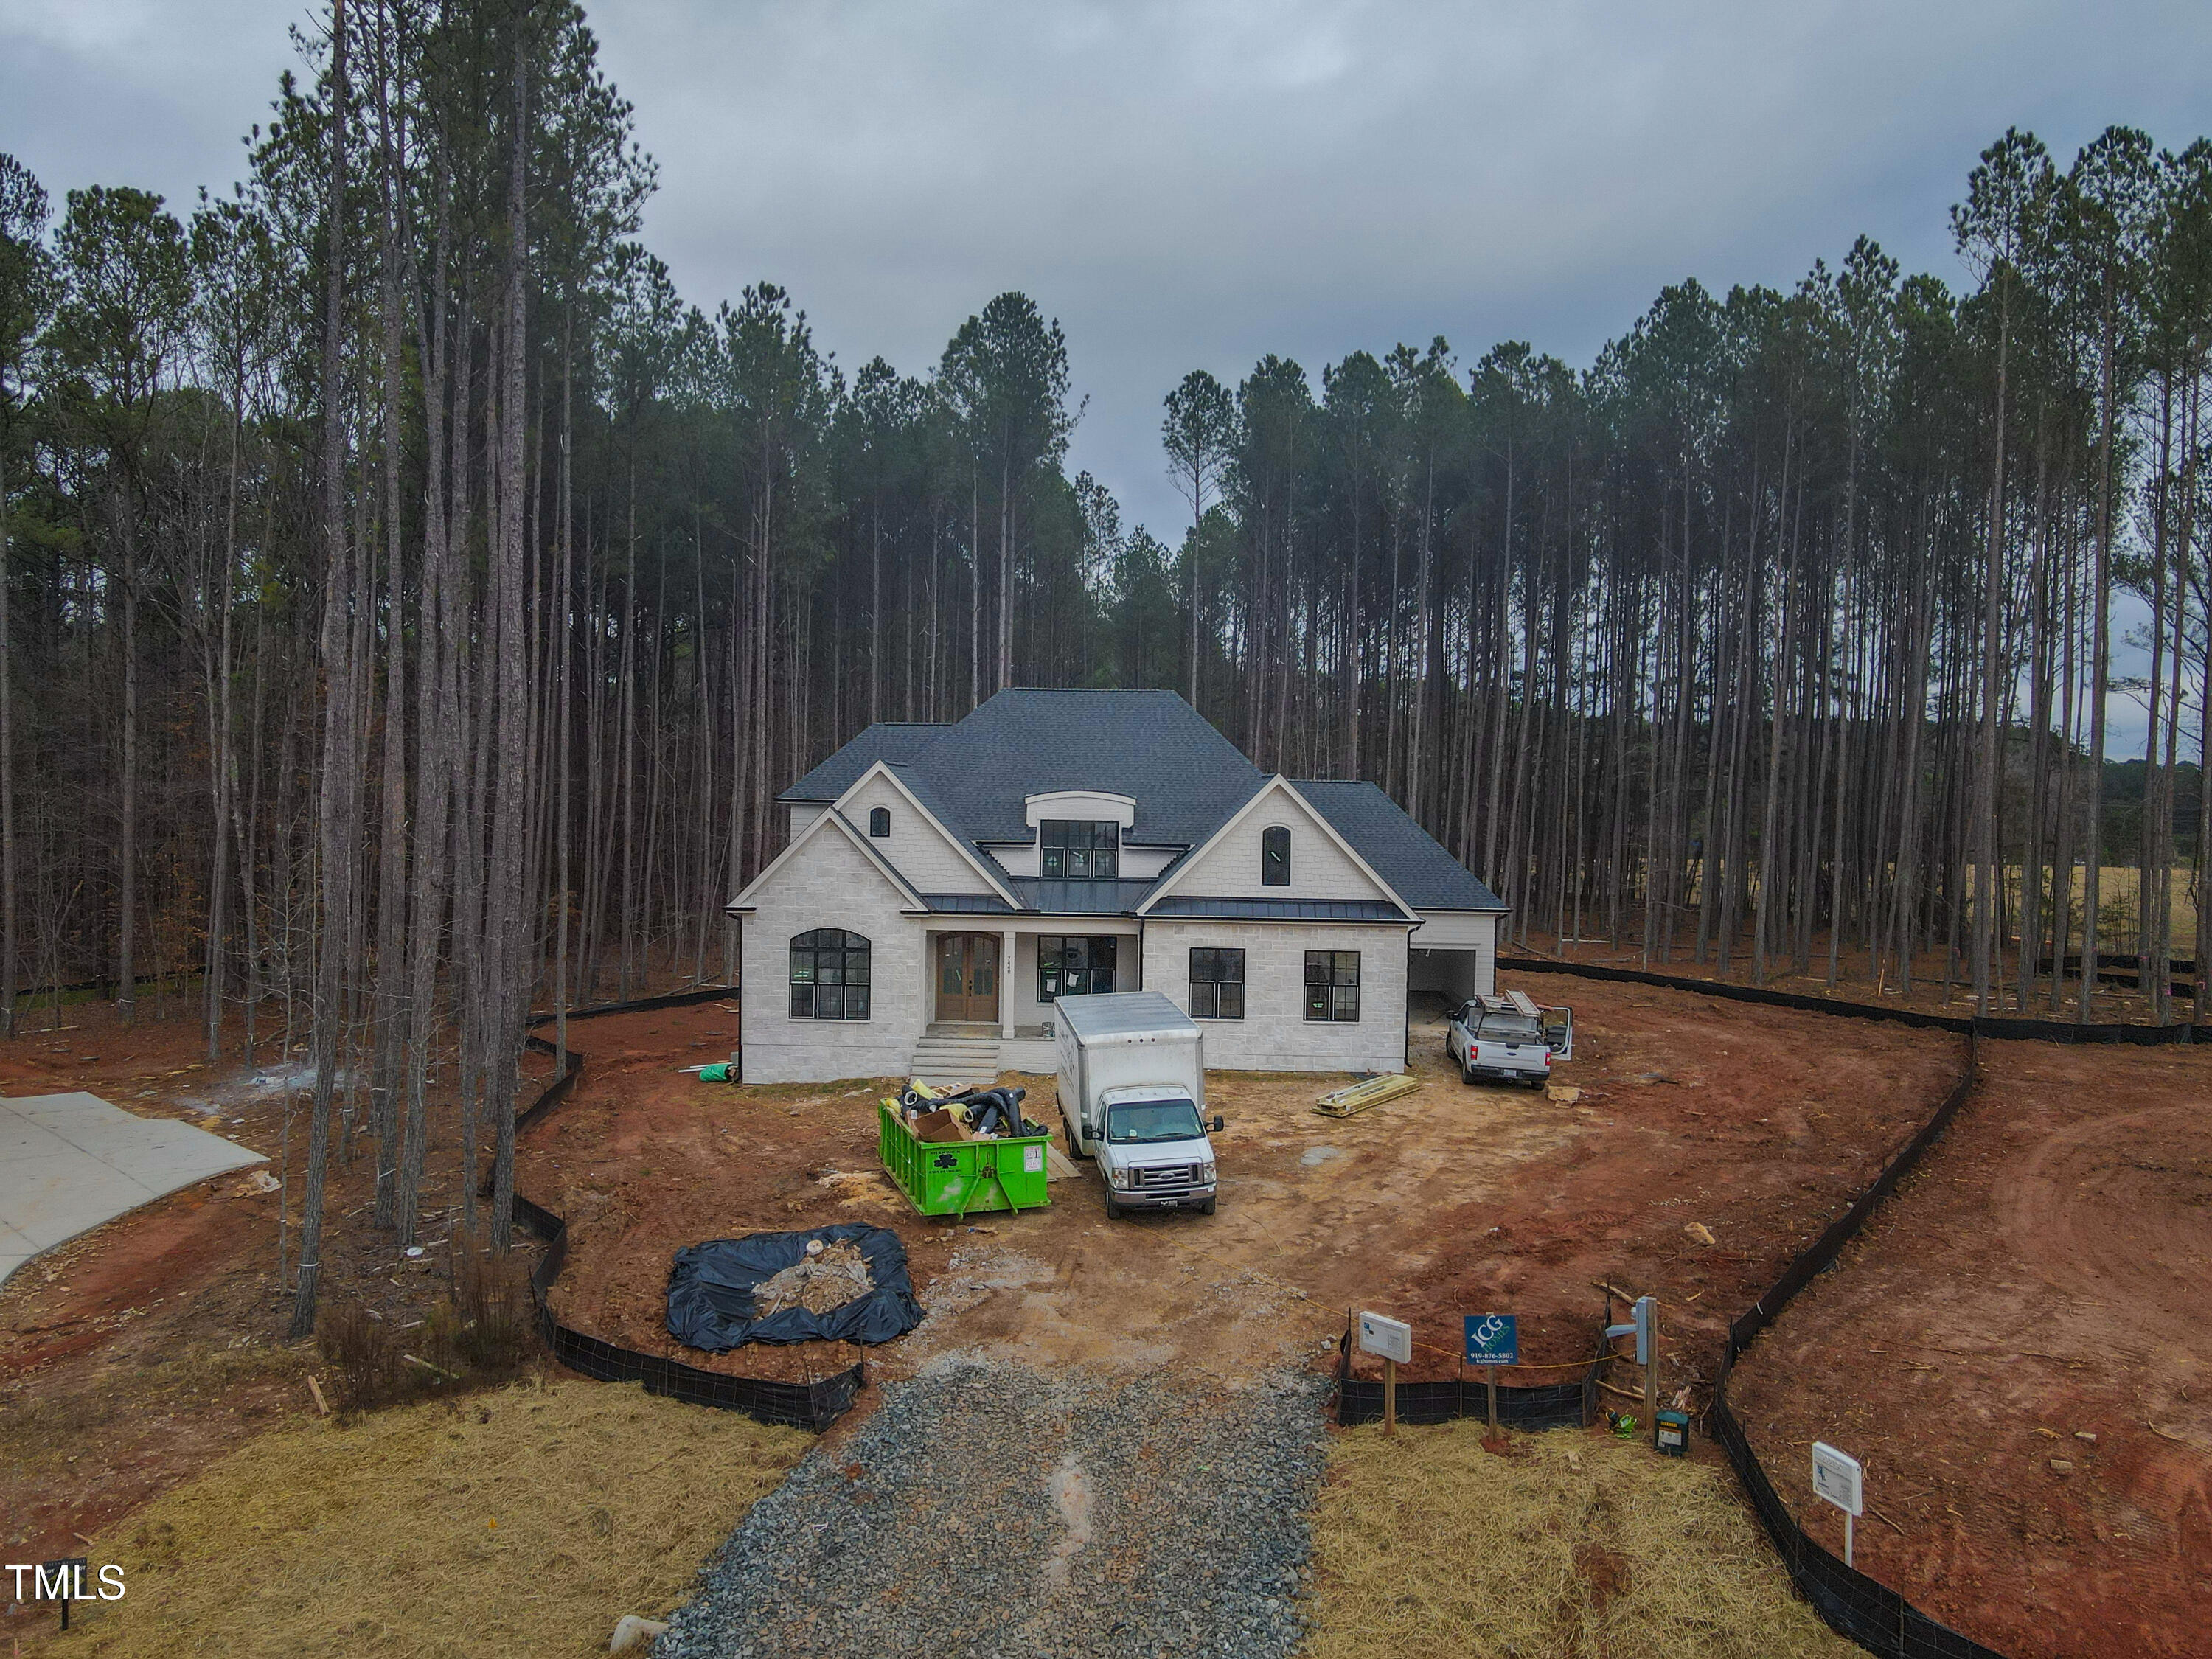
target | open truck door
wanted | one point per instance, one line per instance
(1558, 1025)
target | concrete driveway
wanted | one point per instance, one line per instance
(69, 1163)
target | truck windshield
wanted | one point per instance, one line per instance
(1508, 1028)
(1146, 1122)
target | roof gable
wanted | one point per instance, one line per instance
(1424, 875)
(833, 823)
(882, 782)
(1227, 865)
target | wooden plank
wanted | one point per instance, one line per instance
(1359, 1097)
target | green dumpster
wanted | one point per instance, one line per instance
(963, 1178)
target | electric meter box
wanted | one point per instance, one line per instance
(1670, 1432)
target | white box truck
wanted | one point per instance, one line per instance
(1133, 1095)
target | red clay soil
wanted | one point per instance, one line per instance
(122, 1367)
(2016, 1352)
(134, 1355)
(1758, 1123)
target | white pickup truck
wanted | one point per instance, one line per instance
(1509, 1038)
(1133, 1095)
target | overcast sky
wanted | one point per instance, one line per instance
(1189, 185)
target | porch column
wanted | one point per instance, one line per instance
(1006, 985)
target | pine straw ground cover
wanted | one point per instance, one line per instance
(1578, 1546)
(522, 1521)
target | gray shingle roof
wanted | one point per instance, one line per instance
(1186, 778)
(1402, 853)
(886, 740)
(1150, 745)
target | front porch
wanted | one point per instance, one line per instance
(986, 1006)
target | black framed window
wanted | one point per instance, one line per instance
(1275, 856)
(1333, 985)
(1072, 967)
(1217, 983)
(829, 974)
(1078, 849)
(879, 823)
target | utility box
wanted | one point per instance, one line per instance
(1670, 1432)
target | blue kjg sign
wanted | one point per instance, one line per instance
(1493, 1340)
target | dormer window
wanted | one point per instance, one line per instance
(1078, 849)
(1275, 856)
(879, 823)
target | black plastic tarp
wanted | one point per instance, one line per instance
(710, 1292)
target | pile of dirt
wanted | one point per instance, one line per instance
(1427, 1546)
(830, 1276)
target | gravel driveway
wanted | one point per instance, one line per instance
(985, 1510)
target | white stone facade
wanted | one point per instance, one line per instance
(1274, 1035)
(829, 884)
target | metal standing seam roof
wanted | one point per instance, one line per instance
(1278, 909)
(1082, 899)
(969, 905)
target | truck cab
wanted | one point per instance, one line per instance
(1155, 1153)
(1132, 1089)
(1509, 1038)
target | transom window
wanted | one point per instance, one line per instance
(1077, 849)
(879, 823)
(1071, 967)
(1275, 856)
(1217, 983)
(1333, 985)
(829, 974)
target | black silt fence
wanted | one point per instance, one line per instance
(2001, 1027)
(813, 1406)
(1519, 1405)
(1854, 1604)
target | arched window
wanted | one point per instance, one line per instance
(879, 823)
(1275, 856)
(829, 974)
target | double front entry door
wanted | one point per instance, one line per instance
(968, 977)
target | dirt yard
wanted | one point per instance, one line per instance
(1452, 1200)
(2015, 1352)
(133, 1356)
(2030, 1287)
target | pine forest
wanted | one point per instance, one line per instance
(413, 604)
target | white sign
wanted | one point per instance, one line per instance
(1836, 1478)
(1387, 1337)
(1033, 1159)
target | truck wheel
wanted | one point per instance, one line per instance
(1466, 1074)
(1113, 1211)
(1206, 1208)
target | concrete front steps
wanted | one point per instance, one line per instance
(959, 1057)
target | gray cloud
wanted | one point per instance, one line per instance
(1190, 185)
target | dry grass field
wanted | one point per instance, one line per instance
(1426, 1545)
(523, 1521)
